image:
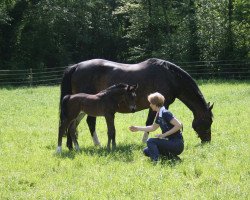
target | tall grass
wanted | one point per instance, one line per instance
(29, 168)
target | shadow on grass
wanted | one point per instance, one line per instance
(170, 161)
(66, 154)
(202, 144)
(123, 152)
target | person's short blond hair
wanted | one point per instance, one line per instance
(156, 99)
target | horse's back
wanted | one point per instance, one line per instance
(152, 75)
(92, 76)
(102, 67)
(102, 64)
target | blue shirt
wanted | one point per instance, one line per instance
(163, 119)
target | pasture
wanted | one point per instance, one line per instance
(29, 168)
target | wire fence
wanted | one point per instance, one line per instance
(224, 69)
(198, 70)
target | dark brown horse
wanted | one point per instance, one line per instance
(105, 103)
(152, 75)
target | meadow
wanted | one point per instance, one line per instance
(30, 169)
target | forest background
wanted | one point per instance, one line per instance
(45, 34)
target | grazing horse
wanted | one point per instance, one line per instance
(152, 75)
(105, 103)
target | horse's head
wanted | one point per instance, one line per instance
(130, 97)
(202, 125)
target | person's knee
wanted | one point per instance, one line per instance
(177, 149)
(180, 150)
(150, 141)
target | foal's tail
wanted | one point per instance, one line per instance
(66, 87)
(64, 110)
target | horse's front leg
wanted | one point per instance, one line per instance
(111, 130)
(150, 120)
(91, 121)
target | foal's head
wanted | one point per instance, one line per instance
(124, 93)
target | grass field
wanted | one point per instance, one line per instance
(29, 168)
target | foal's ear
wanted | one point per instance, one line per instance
(134, 87)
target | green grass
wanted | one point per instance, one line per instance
(29, 168)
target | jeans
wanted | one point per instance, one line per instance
(156, 147)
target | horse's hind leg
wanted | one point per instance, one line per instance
(150, 120)
(92, 125)
(62, 128)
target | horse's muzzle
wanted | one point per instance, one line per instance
(205, 141)
(205, 138)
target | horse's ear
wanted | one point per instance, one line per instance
(211, 107)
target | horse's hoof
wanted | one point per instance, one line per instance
(98, 145)
(96, 142)
(59, 150)
(77, 148)
(114, 148)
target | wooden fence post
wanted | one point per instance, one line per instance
(31, 77)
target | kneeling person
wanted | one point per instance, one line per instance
(170, 142)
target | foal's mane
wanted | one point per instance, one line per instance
(118, 86)
(181, 75)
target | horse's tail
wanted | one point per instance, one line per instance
(66, 87)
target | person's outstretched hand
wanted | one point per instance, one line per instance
(133, 128)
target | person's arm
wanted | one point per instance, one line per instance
(151, 128)
(177, 127)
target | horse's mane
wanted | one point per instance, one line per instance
(180, 74)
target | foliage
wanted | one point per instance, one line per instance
(53, 33)
(30, 169)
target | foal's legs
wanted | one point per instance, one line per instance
(72, 133)
(73, 127)
(150, 120)
(111, 130)
(92, 124)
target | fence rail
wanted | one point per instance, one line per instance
(198, 70)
